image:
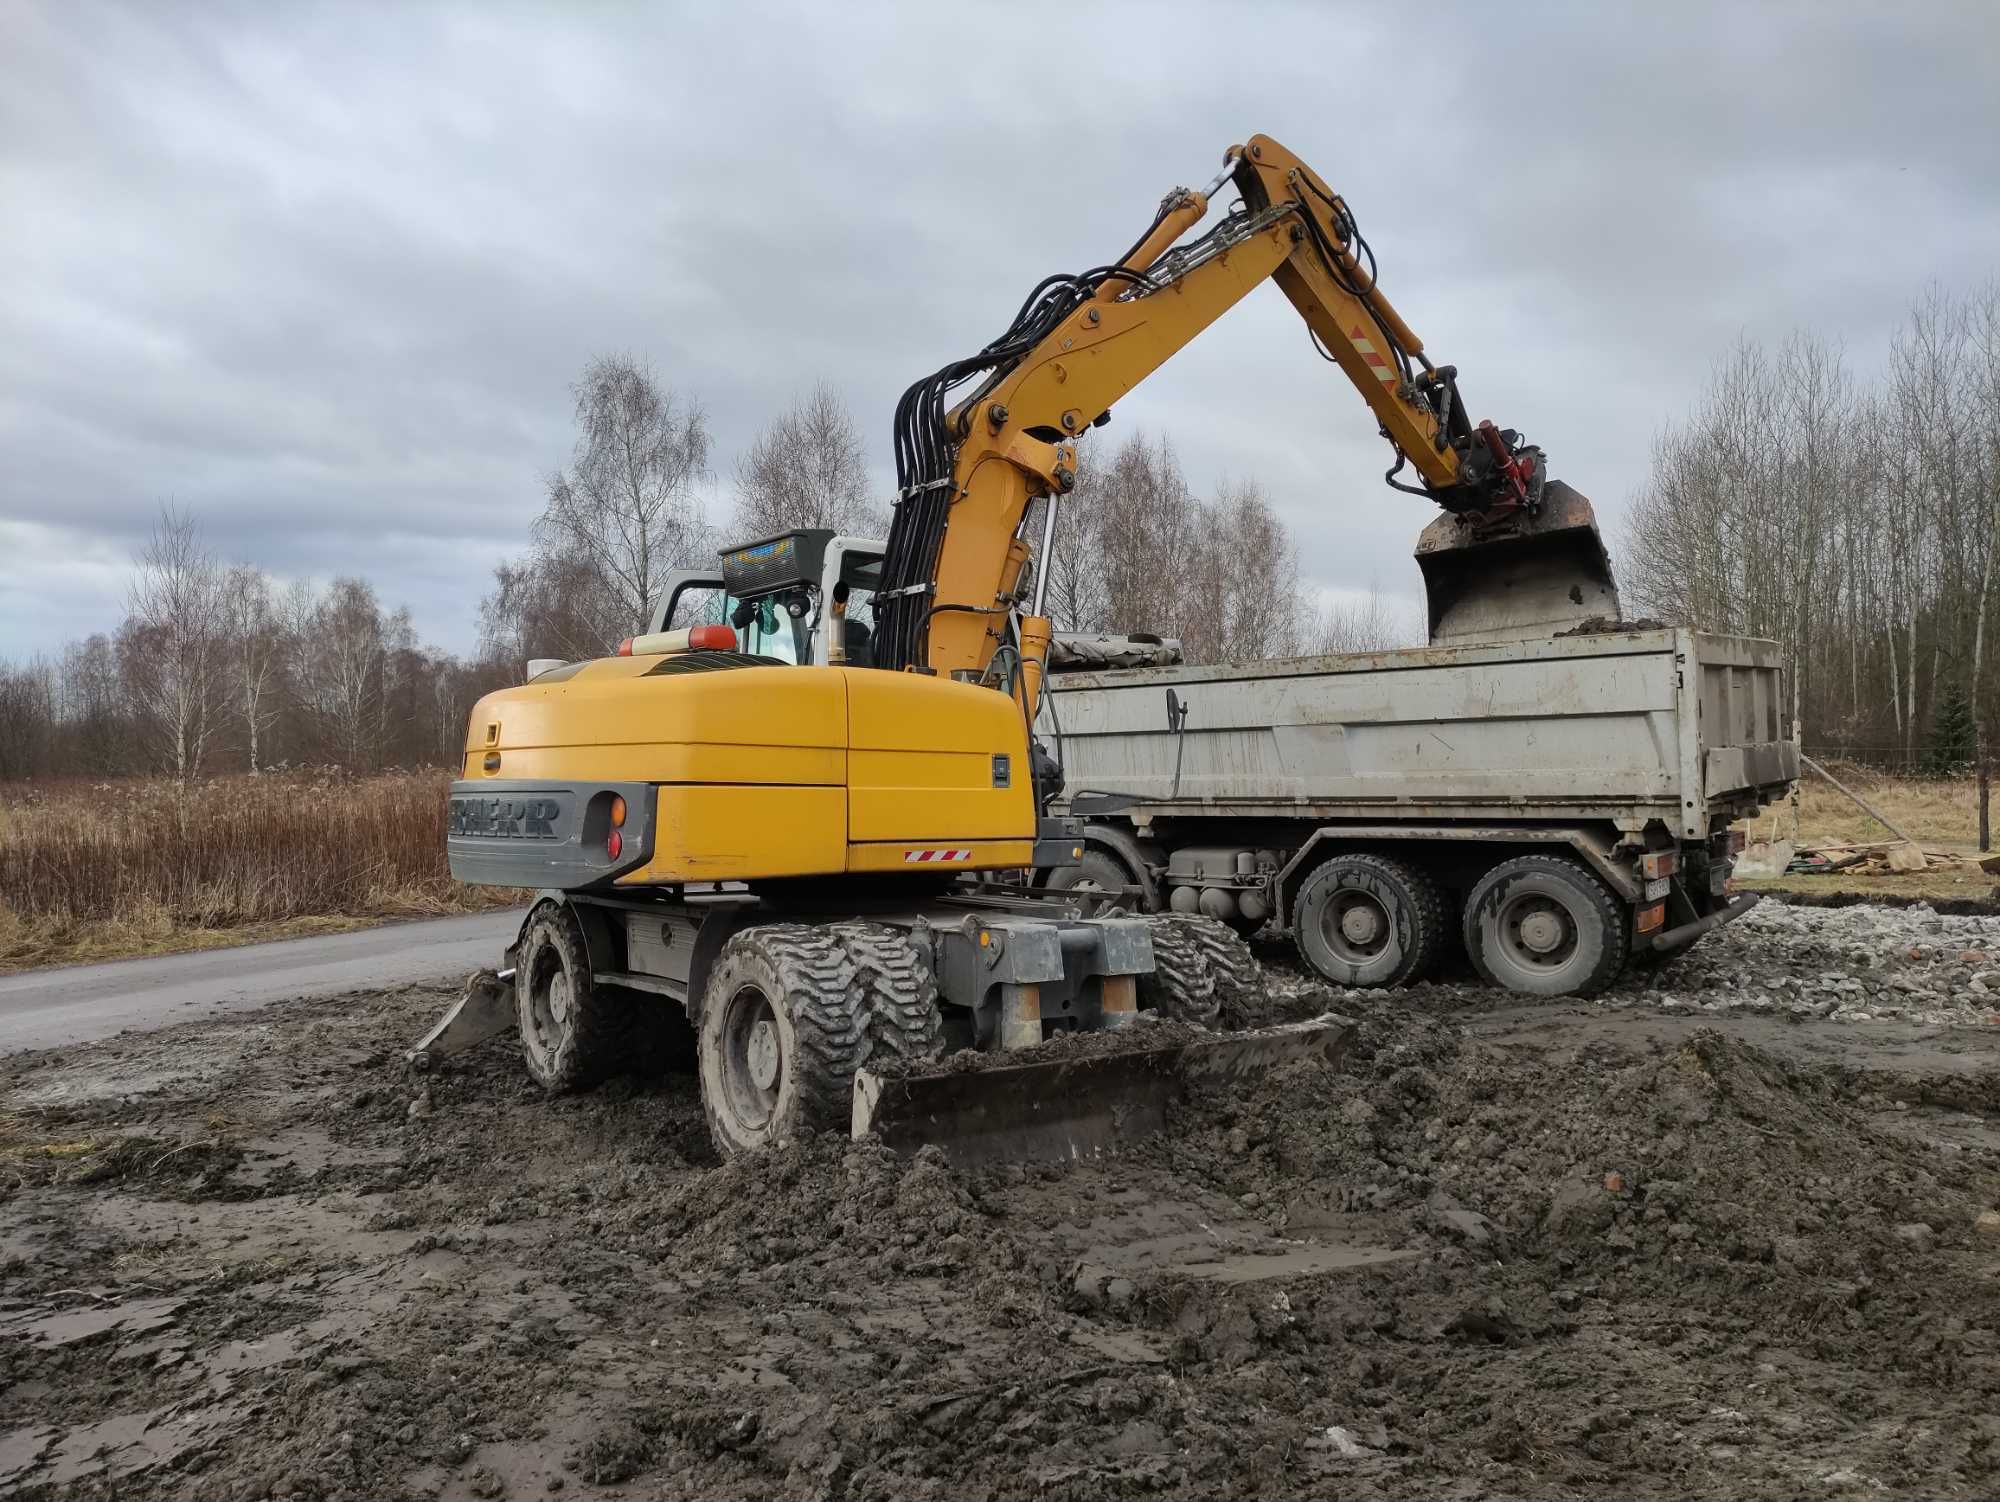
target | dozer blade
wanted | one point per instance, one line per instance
(1521, 578)
(1082, 1107)
(485, 1009)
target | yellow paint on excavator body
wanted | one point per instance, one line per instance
(768, 772)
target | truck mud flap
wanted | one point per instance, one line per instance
(1087, 1106)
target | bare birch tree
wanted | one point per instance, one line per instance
(172, 638)
(807, 469)
(627, 509)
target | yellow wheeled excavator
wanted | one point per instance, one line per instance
(797, 867)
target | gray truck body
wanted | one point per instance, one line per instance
(1604, 746)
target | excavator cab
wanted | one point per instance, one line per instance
(780, 593)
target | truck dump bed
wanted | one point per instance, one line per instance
(1668, 724)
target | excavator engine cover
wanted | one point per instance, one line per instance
(1520, 578)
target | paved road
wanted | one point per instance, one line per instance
(51, 1008)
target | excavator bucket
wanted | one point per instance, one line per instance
(1086, 1106)
(1520, 578)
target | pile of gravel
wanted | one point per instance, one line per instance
(1851, 964)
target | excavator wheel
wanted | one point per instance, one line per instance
(1367, 920)
(784, 1026)
(1239, 980)
(574, 1033)
(904, 1021)
(1181, 986)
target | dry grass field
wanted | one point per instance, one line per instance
(1939, 813)
(101, 870)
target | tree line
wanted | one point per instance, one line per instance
(220, 667)
(1854, 516)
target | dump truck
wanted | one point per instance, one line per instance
(788, 847)
(1559, 805)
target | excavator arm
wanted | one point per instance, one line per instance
(970, 466)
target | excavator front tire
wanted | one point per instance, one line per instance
(783, 1028)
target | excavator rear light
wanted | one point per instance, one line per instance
(614, 844)
(617, 811)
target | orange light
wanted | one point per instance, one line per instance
(617, 810)
(712, 638)
(613, 843)
(625, 647)
(1651, 918)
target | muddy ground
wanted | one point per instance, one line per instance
(1502, 1251)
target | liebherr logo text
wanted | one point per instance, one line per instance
(507, 818)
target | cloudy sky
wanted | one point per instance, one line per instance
(323, 274)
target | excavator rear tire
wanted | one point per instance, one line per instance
(784, 1026)
(1181, 986)
(574, 1033)
(904, 1021)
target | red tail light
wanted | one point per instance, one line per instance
(712, 638)
(614, 842)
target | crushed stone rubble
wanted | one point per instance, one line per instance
(1854, 964)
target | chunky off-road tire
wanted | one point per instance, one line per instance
(1237, 978)
(1097, 871)
(1545, 925)
(904, 1020)
(1181, 986)
(783, 1028)
(1369, 920)
(574, 1033)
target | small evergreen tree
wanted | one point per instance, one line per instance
(1953, 738)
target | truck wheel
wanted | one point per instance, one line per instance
(1181, 986)
(1239, 980)
(574, 1034)
(1544, 925)
(904, 1020)
(1096, 872)
(1367, 920)
(783, 1028)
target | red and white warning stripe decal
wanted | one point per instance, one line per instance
(1385, 371)
(920, 857)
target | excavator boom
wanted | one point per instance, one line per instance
(970, 463)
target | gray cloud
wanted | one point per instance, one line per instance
(324, 274)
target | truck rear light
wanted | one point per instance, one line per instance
(1657, 863)
(1650, 918)
(614, 843)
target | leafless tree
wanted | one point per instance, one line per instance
(627, 508)
(255, 650)
(171, 640)
(807, 469)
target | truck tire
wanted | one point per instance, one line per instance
(1181, 986)
(1237, 977)
(574, 1033)
(1098, 871)
(783, 1029)
(1545, 925)
(904, 1019)
(1368, 920)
